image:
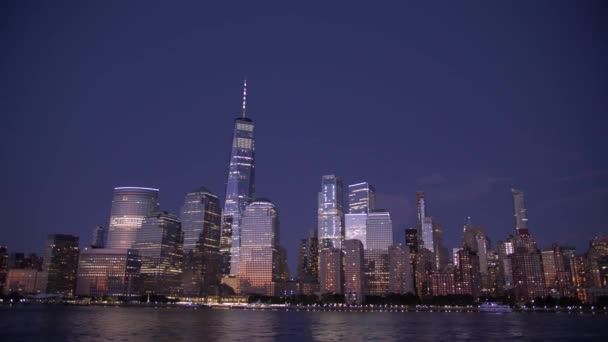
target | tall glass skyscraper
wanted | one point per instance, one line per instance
(201, 220)
(361, 198)
(201, 223)
(330, 222)
(379, 239)
(259, 265)
(61, 263)
(129, 207)
(519, 212)
(240, 186)
(160, 245)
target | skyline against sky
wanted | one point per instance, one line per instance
(463, 102)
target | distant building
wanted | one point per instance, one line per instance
(400, 271)
(443, 284)
(129, 207)
(411, 240)
(424, 268)
(520, 212)
(379, 239)
(240, 187)
(4, 261)
(330, 270)
(22, 261)
(159, 243)
(200, 219)
(108, 272)
(313, 254)
(260, 259)
(467, 276)
(353, 271)
(356, 227)
(527, 269)
(303, 259)
(99, 237)
(330, 219)
(61, 263)
(26, 281)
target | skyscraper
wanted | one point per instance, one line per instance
(99, 237)
(520, 212)
(160, 245)
(379, 238)
(260, 267)
(240, 186)
(361, 198)
(330, 270)
(61, 263)
(400, 271)
(353, 271)
(528, 277)
(108, 272)
(200, 217)
(330, 212)
(129, 207)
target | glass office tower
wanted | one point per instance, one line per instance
(159, 243)
(108, 272)
(129, 207)
(330, 212)
(240, 187)
(519, 212)
(259, 269)
(379, 239)
(361, 198)
(61, 263)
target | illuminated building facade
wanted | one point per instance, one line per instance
(361, 198)
(61, 263)
(129, 207)
(330, 213)
(200, 219)
(108, 272)
(353, 271)
(379, 239)
(260, 267)
(240, 187)
(330, 270)
(400, 271)
(160, 246)
(26, 281)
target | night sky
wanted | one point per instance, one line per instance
(461, 99)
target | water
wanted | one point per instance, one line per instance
(69, 323)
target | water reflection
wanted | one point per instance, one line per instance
(66, 323)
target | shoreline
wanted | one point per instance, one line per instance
(324, 308)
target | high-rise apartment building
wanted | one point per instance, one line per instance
(260, 269)
(330, 270)
(129, 207)
(61, 263)
(240, 187)
(330, 213)
(400, 271)
(160, 246)
(527, 269)
(353, 271)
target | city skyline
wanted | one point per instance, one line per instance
(109, 122)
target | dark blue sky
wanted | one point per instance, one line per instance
(460, 99)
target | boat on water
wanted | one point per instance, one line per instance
(494, 307)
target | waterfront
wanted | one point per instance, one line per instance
(98, 323)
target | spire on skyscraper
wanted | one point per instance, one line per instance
(244, 97)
